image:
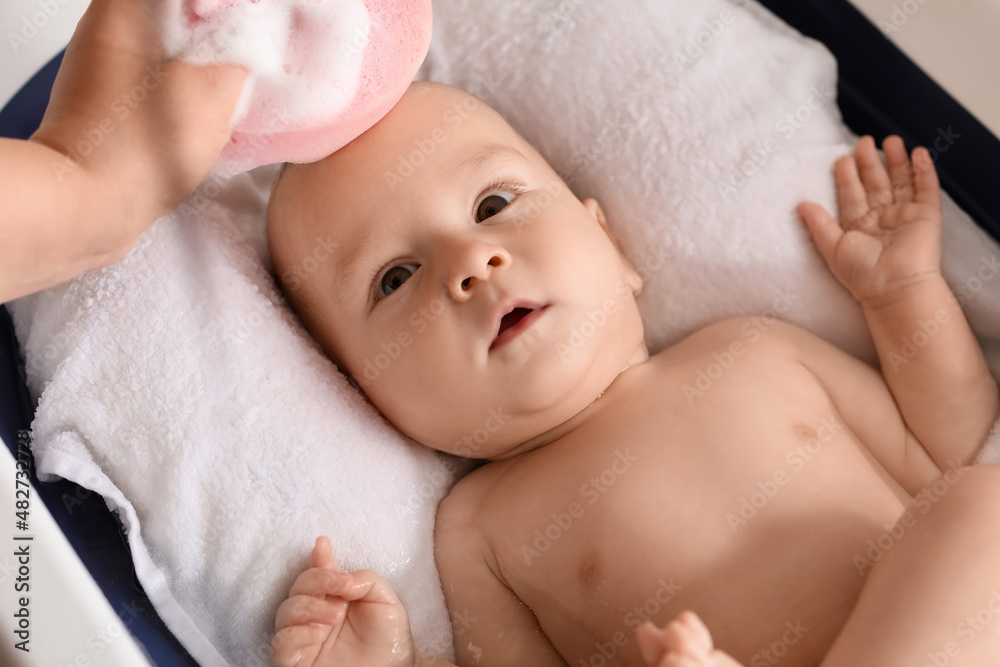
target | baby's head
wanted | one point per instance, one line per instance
(407, 251)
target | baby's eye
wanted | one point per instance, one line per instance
(492, 204)
(394, 278)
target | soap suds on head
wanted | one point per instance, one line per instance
(316, 66)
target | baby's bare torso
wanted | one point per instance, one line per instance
(747, 503)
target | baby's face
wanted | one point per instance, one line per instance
(445, 266)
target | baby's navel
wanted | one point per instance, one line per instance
(590, 570)
(804, 432)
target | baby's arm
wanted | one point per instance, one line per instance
(493, 627)
(887, 252)
(334, 618)
(126, 138)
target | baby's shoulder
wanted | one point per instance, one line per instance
(463, 504)
(742, 336)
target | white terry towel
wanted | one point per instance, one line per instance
(177, 384)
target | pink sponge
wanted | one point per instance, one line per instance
(322, 71)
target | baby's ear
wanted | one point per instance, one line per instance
(634, 280)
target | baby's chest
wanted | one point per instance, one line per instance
(762, 452)
(750, 489)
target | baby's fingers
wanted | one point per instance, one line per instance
(825, 231)
(309, 610)
(298, 643)
(925, 179)
(873, 174)
(900, 170)
(852, 198)
(367, 586)
(689, 625)
(322, 554)
(652, 644)
(319, 582)
(363, 585)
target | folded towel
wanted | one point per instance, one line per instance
(322, 71)
(178, 385)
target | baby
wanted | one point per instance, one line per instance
(611, 502)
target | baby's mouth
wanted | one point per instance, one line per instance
(514, 322)
(512, 318)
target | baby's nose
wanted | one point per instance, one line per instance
(475, 262)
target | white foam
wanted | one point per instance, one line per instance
(304, 56)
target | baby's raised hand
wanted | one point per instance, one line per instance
(334, 618)
(889, 236)
(683, 642)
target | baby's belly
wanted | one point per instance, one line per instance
(754, 509)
